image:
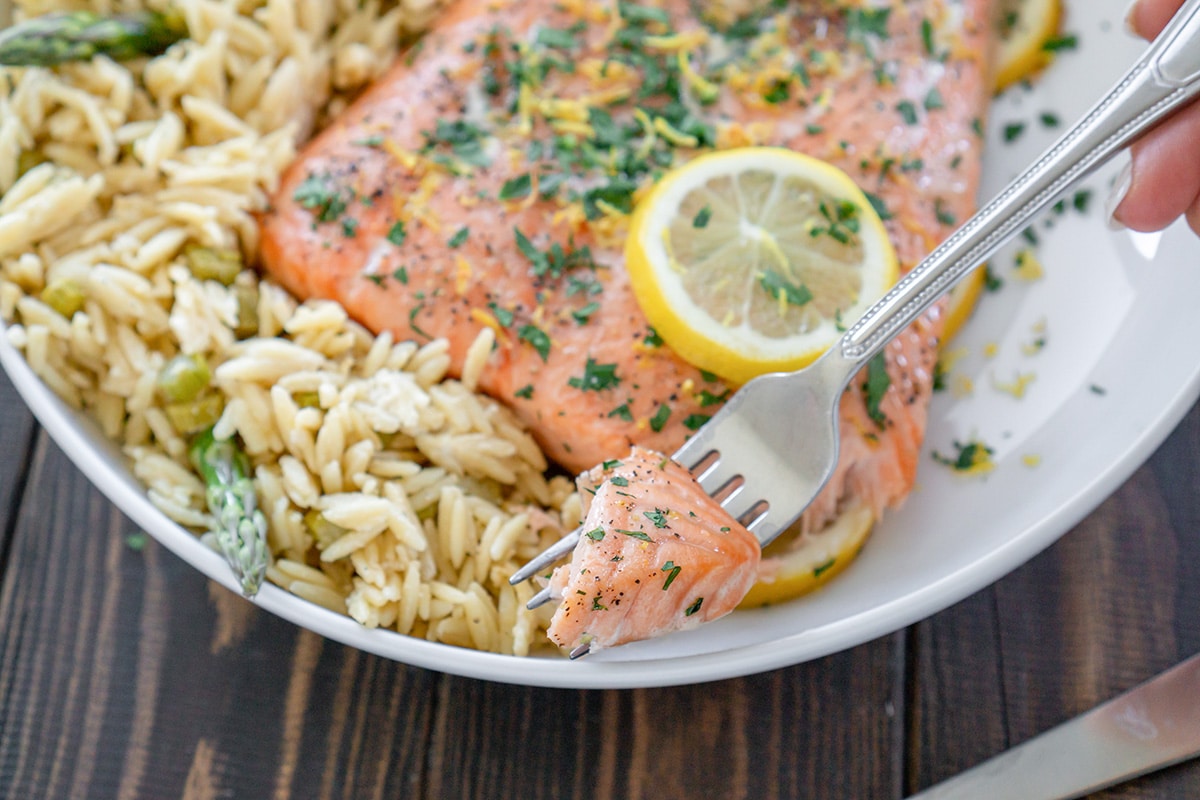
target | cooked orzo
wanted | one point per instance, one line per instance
(128, 191)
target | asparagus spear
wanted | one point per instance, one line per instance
(241, 526)
(79, 35)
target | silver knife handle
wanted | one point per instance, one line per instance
(1165, 78)
(1149, 727)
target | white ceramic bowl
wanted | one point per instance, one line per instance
(1120, 368)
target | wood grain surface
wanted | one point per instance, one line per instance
(126, 674)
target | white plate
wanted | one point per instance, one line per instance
(1120, 319)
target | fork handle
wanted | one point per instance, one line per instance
(1165, 78)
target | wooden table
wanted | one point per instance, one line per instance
(126, 674)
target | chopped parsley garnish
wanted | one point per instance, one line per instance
(672, 569)
(660, 418)
(652, 339)
(349, 227)
(319, 193)
(596, 377)
(554, 261)
(1054, 45)
(556, 37)
(617, 194)
(702, 217)
(943, 214)
(933, 100)
(619, 480)
(464, 140)
(694, 422)
(658, 516)
(635, 534)
(991, 281)
(412, 320)
(396, 234)
(821, 569)
(1050, 119)
(641, 15)
(1013, 131)
(516, 188)
(876, 387)
(971, 456)
(694, 607)
(459, 237)
(622, 412)
(842, 219)
(862, 23)
(776, 285)
(536, 337)
(707, 398)
(525, 391)
(596, 534)
(778, 92)
(597, 605)
(502, 315)
(581, 315)
(908, 112)
(927, 35)
(879, 205)
(612, 463)
(401, 274)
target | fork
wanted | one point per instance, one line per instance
(772, 447)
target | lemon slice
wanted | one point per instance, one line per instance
(797, 564)
(1025, 27)
(754, 260)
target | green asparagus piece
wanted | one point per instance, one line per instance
(79, 35)
(241, 526)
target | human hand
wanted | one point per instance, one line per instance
(1163, 180)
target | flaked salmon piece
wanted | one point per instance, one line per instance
(485, 180)
(657, 555)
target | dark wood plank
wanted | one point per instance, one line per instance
(830, 728)
(1107, 607)
(125, 674)
(16, 437)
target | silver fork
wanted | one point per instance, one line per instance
(773, 446)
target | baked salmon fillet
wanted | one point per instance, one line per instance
(485, 182)
(657, 555)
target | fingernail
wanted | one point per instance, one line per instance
(1128, 19)
(1117, 195)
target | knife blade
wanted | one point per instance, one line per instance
(1150, 727)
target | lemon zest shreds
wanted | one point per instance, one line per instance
(706, 91)
(462, 278)
(404, 158)
(686, 40)
(572, 126)
(1031, 460)
(484, 318)
(609, 209)
(673, 134)
(525, 101)
(962, 387)
(972, 458)
(1017, 386)
(1028, 266)
(574, 110)
(991, 349)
